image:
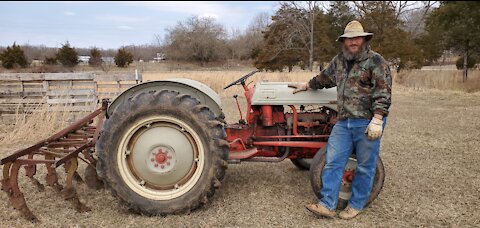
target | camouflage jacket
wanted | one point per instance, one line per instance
(364, 90)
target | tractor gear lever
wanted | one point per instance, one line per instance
(239, 110)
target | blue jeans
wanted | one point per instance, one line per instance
(347, 135)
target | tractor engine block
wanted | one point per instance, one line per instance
(271, 123)
(317, 121)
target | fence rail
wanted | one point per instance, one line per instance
(23, 92)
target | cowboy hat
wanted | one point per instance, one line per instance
(354, 29)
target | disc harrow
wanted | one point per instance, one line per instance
(65, 148)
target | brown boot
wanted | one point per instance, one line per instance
(320, 210)
(349, 213)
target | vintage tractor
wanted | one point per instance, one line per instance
(162, 147)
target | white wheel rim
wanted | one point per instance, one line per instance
(150, 180)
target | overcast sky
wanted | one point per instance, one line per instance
(112, 24)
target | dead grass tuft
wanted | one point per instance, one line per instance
(37, 123)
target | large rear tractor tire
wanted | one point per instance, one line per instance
(162, 153)
(318, 163)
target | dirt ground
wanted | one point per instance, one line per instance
(431, 154)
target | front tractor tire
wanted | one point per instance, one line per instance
(162, 152)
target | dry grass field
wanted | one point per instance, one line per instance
(440, 79)
(430, 151)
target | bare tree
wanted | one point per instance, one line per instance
(106, 66)
(415, 20)
(402, 8)
(199, 39)
(259, 23)
(412, 14)
(236, 43)
(303, 29)
(158, 40)
(246, 44)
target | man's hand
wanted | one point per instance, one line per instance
(374, 129)
(299, 87)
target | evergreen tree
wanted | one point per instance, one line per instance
(458, 24)
(123, 58)
(13, 57)
(389, 39)
(67, 55)
(95, 58)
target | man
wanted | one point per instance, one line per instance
(364, 84)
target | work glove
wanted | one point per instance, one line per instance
(299, 87)
(374, 129)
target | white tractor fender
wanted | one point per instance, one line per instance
(196, 89)
(278, 93)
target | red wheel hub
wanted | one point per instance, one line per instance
(161, 157)
(161, 160)
(348, 176)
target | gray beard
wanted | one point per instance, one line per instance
(353, 56)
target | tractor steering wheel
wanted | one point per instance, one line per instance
(241, 80)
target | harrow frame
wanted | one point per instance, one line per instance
(62, 148)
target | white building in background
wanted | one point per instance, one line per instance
(83, 58)
(160, 57)
(108, 60)
(36, 62)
